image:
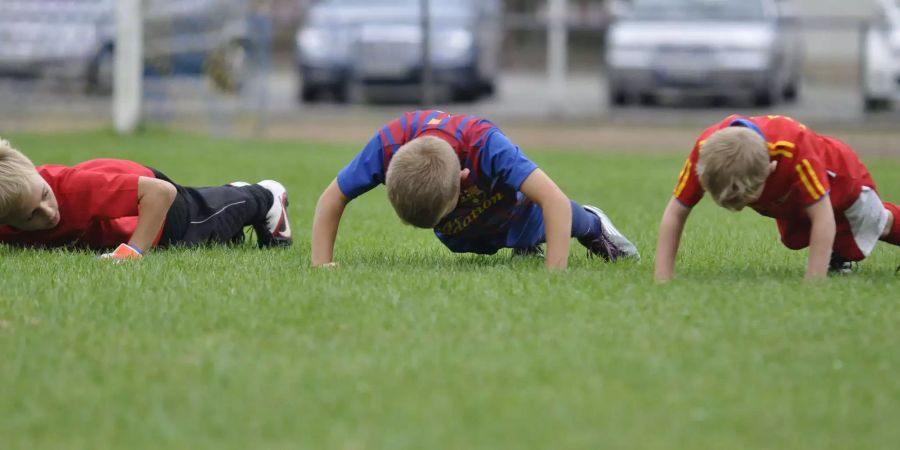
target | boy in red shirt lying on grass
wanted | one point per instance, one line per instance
(105, 204)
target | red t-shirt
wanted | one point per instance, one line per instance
(98, 205)
(810, 166)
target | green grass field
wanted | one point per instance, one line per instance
(407, 346)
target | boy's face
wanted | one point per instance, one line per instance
(37, 209)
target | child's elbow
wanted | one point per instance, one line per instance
(167, 192)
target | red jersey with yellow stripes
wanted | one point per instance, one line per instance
(810, 166)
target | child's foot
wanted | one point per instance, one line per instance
(276, 231)
(840, 265)
(610, 244)
(537, 251)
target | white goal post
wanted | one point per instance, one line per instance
(128, 67)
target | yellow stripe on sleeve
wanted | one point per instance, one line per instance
(683, 178)
(778, 148)
(809, 187)
(812, 176)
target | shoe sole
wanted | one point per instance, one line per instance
(614, 235)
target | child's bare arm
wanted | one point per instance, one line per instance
(328, 214)
(821, 239)
(557, 208)
(155, 197)
(670, 229)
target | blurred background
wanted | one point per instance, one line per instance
(269, 67)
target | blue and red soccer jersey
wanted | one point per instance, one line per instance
(810, 166)
(489, 200)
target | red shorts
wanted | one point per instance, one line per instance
(857, 228)
(795, 236)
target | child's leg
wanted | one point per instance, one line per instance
(529, 231)
(215, 214)
(795, 236)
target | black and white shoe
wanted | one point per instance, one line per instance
(276, 231)
(609, 244)
(838, 265)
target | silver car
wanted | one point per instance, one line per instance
(74, 39)
(379, 42)
(720, 48)
(881, 59)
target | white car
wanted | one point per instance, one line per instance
(881, 59)
(716, 48)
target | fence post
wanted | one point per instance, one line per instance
(427, 73)
(556, 55)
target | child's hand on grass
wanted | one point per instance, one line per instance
(123, 252)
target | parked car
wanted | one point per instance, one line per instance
(74, 39)
(708, 47)
(377, 42)
(881, 58)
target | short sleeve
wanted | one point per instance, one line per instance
(810, 179)
(501, 160)
(688, 190)
(101, 195)
(365, 171)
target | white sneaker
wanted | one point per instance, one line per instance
(612, 245)
(277, 229)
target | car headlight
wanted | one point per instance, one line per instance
(452, 45)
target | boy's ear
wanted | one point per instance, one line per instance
(463, 174)
(772, 166)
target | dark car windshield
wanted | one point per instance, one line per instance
(697, 10)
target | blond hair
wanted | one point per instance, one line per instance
(422, 181)
(15, 171)
(733, 166)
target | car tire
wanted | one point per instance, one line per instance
(617, 97)
(307, 93)
(768, 96)
(872, 104)
(792, 91)
(488, 88)
(464, 95)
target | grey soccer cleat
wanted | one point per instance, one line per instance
(610, 244)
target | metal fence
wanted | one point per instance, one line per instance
(233, 66)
